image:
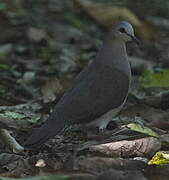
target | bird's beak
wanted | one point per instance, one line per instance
(134, 39)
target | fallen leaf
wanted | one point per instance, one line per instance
(161, 121)
(8, 32)
(160, 158)
(147, 113)
(106, 15)
(7, 158)
(6, 49)
(10, 141)
(121, 175)
(98, 164)
(51, 177)
(139, 128)
(14, 120)
(51, 90)
(29, 77)
(36, 35)
(154, 80)
(144, 147)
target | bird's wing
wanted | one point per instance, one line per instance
(100, 91)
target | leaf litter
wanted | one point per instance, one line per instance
(38, 65)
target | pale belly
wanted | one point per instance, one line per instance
(104, 120)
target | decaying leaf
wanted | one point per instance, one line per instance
(7, 158)
(13, 120)
(107, 15)
(161, 121)
(51, 177)
(164, 138)
(7, 31)
(97, 164)
(15, 165)
(144, 147)
(155, 117)
(161, 157)
(121, 175)
(142, 129)
(10, 141)
(51, 89)
(36, 35)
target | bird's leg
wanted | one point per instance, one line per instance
(103, 124)
(139, 120)
(104, 120)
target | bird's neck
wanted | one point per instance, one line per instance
(113, 54)
(115, 46)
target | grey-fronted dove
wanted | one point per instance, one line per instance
(98, 93)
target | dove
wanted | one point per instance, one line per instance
(99, 91)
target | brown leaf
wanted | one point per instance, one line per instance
(96, 164)
(13, 6)
(107, 15)
(8, 32)
(155, 117)
(145, 147)
(7, 158)
(35, 34)
(10, 141)
(121, 175)
(51, 89)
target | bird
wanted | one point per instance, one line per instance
(99, 91)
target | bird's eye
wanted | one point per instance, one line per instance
(122, 30)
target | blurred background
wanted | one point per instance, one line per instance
(45, 43)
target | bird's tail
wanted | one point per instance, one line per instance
(53, 126)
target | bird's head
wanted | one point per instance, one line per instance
(124, 31)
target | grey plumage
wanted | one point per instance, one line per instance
(100, 87)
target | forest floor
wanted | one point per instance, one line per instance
(43, 46)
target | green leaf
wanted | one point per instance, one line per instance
(74, 20)
(4, 67)
(14, 115)
(142, 129)
(54, 177)
(161, 157)
(3, 6)
(155, 80)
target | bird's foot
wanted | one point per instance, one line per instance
(140, 121)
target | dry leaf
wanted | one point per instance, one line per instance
(144, 147)
(121, 175)
(10, 141)
(7, 158)
(51, 89)
(107, 15)
(12, 120)
(35, 34)
(8, 32)
(97, 164)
